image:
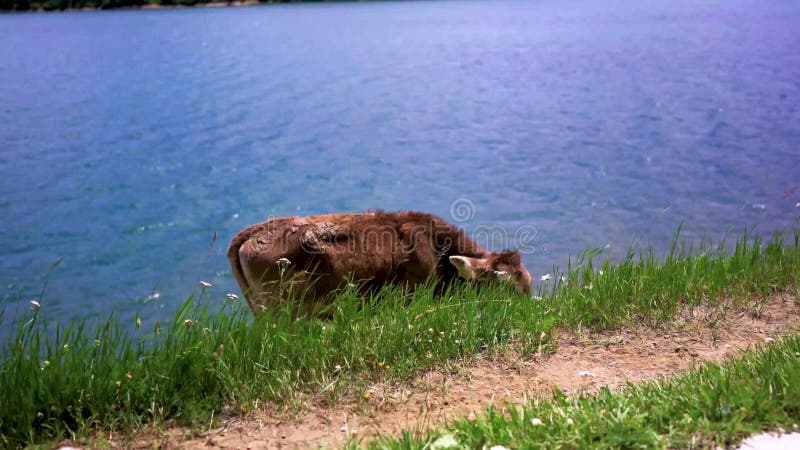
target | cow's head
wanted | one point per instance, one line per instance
(503, 267)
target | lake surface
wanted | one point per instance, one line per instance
(129, 139)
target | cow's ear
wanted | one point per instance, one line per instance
(464, 265)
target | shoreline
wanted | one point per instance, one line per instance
(215, 4)
(213, 358)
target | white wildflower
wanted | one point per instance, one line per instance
(600, 272)
(283, 262)
(589, 287)
(570, 421)
(586, 373)
(447, 441)
(188, 322)
(536, 421)
(497, 447)
(337, 367)
(563, 279)
(536, 297)
(35, 305)
(232, 297)
(205, 284)
(546, 277)
(768, 340)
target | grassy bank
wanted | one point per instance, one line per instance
(210, 359)
(714, 406)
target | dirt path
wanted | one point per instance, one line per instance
(580, 363)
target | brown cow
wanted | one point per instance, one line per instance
(314, 256)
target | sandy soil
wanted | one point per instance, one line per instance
(581, 363)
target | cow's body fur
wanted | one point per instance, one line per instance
(325, 251)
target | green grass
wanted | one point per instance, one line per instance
(76, 380)
(711, 406)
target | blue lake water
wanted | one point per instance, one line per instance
(129, 139)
